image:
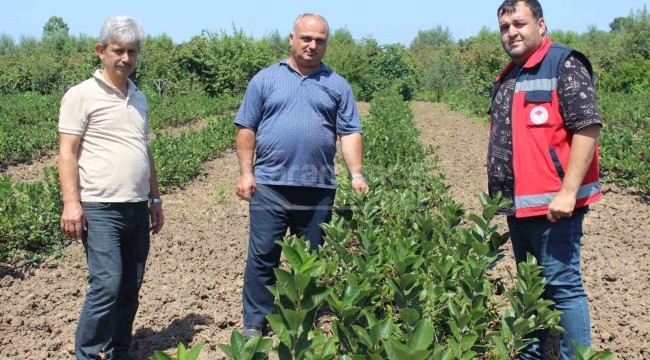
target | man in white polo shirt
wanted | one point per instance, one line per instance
(110, 190)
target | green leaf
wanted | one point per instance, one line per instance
(489, 211)
(398, 351)
(182, 352)
(286, 284)
(469, 341)
(279, 328)
(422, 336)
(292, 256)
(224, 347)
(478, 221)
(194, 352)
(410, 316)
(363, 335)
(294, 320)
(159, 355)
(256, 346)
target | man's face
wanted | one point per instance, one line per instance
(521, 35)
(119, 59)
(309, 41)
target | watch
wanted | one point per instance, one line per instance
(155, 201)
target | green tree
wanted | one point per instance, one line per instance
(482, 59)
(442, 72)
(7, 44)
(55, 24)
(347, 57)
(279, 44)
(157, 67)
(224, 63)
(620, 23)
(566, 38)
(55, 34)
(393, 68)
(437, 37)
(637, 36)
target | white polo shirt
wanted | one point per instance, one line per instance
(113, 152)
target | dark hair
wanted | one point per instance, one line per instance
(509, 6)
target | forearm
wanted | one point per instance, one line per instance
(154, 191)
(583, 148)
(69, 178)
(69, 169)
(245, 146)
(352, 151)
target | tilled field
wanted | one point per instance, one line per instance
(192, 288)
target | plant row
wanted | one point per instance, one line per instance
(28, 122)
(179, 157)
(30, 212)
(404, 273)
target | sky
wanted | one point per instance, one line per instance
(385, 21)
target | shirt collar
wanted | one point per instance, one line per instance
(322, 68)
(131, 85)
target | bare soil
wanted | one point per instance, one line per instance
(192, 288)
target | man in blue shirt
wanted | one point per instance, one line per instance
(288, 122)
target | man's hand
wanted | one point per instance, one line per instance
(73, 221)
(360, 186)
(245, 186)
(157, 218)
(561, 206)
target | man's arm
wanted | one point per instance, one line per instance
(583, 147)
(245, 146)
(352, 151)
(155, 209)
(72, 218)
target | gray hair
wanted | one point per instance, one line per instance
(303, 15)
(122, 29)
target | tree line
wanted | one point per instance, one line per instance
(432, 67)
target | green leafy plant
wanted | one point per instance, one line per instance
(256, 348)
(181, 354)
(404, 270)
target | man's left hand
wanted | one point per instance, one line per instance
(157, 218)
(561, 206)
(360, 186)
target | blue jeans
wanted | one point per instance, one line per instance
(116, 244)
(273, 209)
(556, 246)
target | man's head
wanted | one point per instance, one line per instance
(119, 45)
(309, 40)
(522, 27)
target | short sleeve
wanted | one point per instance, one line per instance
(576, 95)
(347, 117)
(72, 113)
(251, 109)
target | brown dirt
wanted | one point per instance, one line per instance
(192, 288)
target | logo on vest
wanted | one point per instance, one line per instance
(539, 115)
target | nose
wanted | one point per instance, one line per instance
(125, 56)
(512, 31)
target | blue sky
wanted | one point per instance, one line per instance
(385, 21)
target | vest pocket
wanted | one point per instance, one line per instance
(556, 163)
(538, 96)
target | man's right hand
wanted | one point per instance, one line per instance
(245, 186)
(73, 220)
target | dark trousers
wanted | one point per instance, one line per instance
(556, 246)
(117, 245)
(273, 210)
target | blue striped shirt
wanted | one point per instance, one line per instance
(296, 120)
